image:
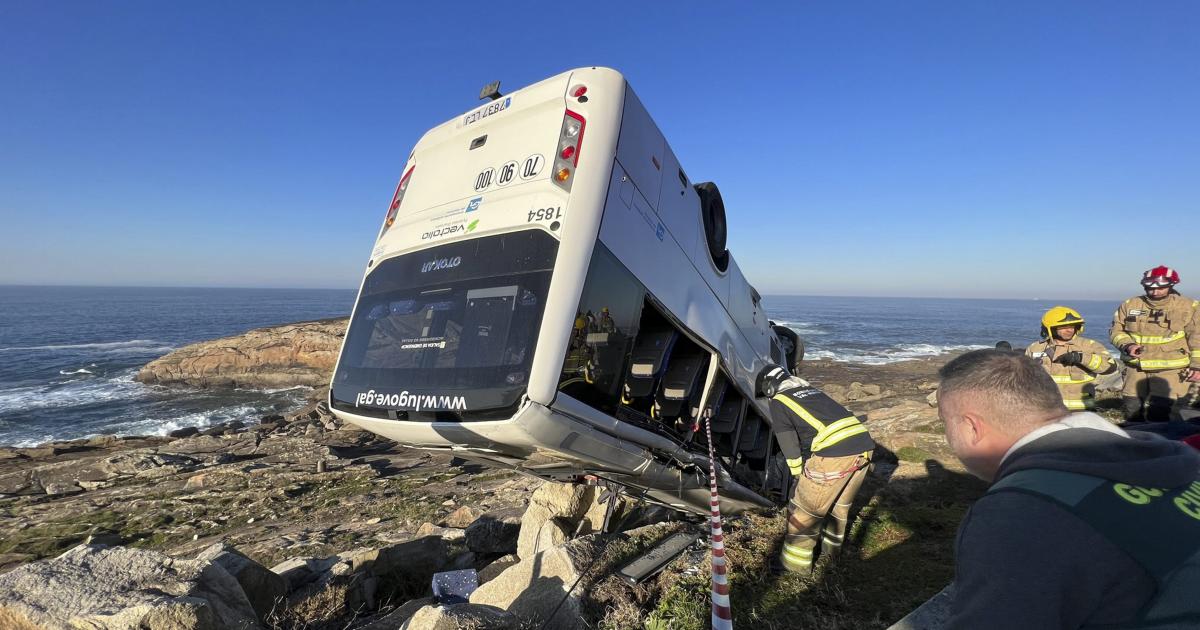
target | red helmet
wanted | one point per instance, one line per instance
(1160, 276)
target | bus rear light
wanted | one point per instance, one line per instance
(578, 90)
(570, 142)
(397, 198)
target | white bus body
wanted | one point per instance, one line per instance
(541, 294)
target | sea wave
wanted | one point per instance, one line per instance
(133, 345)
(73, 372)
(883, 356)
(145, 426)
(276, 390)
(199, 419)
(73, 393)
(804, 329)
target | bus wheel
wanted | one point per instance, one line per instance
(793, 347)
(712, 211)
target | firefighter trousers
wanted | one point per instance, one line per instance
(820, 508)
(1150, 395)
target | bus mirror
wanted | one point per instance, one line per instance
(490, 91)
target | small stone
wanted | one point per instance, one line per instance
(374, 521)
(462, 517)
(195, 482)
(250, 520)
(54, 489)
(448, 502)
(109, 539)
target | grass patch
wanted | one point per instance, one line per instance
(900, 553)
(913, 454)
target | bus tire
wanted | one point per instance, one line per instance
(712, 212)
(795, 356)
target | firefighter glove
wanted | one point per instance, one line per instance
(1074, 357)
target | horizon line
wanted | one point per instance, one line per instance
(765, 295)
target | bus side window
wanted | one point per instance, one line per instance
(602, 336)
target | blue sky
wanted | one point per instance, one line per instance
(960, 149)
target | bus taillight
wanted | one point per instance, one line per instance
(394, 209)
(570, 141)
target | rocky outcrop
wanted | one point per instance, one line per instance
(263, 588)
(495, 532)
(279, 356)
(122, 589)
(462, 617)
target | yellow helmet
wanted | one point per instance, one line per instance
(580, 323)
(1060, 316)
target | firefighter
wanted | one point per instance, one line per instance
(1188, 407)
(1151, 332)
(1070, 359)
(828, 452)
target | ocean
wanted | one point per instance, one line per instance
(68, 355)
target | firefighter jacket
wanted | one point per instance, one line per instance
(1161, 328)
(1075, 382)
(807, 422)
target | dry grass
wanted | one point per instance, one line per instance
(324, 609)
(900, 554)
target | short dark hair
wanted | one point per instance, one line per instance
(1015, 385)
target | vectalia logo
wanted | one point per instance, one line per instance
(447, 230)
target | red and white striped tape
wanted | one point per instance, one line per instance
(722, 612)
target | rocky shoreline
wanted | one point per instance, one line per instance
(352, 526)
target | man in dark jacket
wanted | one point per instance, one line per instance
(1084, 524)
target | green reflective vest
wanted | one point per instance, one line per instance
(1158, 527)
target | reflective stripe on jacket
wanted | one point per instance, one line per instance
(806, 422)
(1163, 328)
(1074, 381)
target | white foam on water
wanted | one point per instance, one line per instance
(804, 329)
(74, 393)
(79, 371)
(199, 419)
(140, 345)
(883, 356)
(277, 390)
(32, 442)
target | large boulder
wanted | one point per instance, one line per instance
(495, 532)
(533, 588)
(278, 356)
(562, 502)
(115, 588)
(263, 587)
(461, 617)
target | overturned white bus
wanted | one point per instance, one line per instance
(550, 292)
